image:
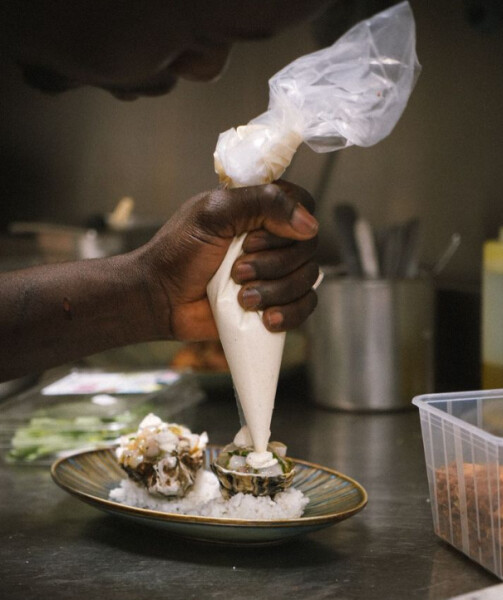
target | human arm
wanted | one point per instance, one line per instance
(54, 314)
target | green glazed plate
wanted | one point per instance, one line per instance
(333, 497)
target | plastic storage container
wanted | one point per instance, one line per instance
(463, 447)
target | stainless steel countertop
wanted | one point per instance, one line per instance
(53, 546)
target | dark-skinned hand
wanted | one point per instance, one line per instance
(277, 269)
(56, 313)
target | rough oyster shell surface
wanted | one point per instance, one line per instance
(233, 482)
(163, 457)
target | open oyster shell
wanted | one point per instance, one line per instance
(163, 457)
(258, 483)
(173, 475)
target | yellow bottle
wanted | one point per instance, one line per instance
(492, 314)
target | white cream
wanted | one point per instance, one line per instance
(242, 439)
(261, 460)
(253, 154)
(254, 354)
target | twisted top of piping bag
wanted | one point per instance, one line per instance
(351, 93)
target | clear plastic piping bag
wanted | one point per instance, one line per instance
(351, 93)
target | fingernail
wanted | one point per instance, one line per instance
(251, 298)
(245, 272)
(303, 222)
(274, 319)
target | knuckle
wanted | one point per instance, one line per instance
(270, 191)
(307, 200)
(214, 201)
(282, 201)
(250, 198)
(267, 297)
(213, 210)
(270, 267)
(298, 194)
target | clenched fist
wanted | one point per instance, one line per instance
(57, 313)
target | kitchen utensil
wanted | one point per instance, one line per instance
(371, 343)
(391, 242)
(345, 218)
(409, 259)
(398, 249)
(446, 256)
(367, 249)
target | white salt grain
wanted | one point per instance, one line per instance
(205, 500)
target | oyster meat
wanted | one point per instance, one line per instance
(163, 457)
(236, 472)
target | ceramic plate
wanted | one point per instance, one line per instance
(333, 497)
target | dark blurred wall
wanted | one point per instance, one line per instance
(443, 160)
(64, 158)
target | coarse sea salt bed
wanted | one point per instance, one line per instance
(205, 500)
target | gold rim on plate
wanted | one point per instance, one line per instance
(333, 497)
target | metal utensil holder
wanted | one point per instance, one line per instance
(371, 343)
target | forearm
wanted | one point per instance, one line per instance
(54, 314)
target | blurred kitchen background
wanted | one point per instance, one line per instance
(69, 157)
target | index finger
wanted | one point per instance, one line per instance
(292, 200)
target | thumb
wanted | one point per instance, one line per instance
(282, 208)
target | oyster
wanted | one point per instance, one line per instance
(163, 457)
(232, 467)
